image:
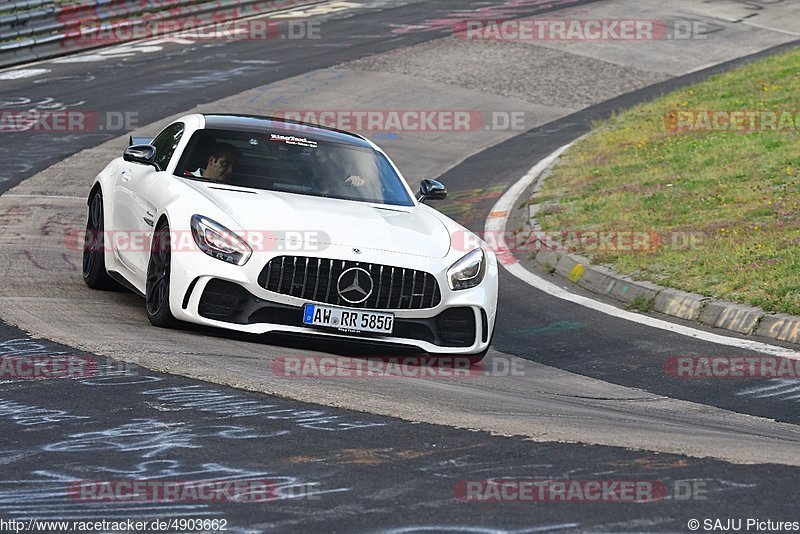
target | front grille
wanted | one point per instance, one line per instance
(315, 279)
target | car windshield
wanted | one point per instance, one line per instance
(293, 163)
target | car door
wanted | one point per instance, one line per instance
(134, 213)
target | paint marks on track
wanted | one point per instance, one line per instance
(29, 415)
(548, 329)
(455, 20)
(193, 82)
(151, 438)
(214, 401)
(19, 74)
(784, 389)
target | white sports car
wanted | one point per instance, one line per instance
(259, 225)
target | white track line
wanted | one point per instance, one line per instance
(496, 225)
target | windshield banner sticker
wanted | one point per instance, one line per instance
(292, 140)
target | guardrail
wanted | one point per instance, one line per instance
(31, 30)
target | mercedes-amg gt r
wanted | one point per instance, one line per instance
(259, 225)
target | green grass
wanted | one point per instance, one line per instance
(642, 304)
(739, 193)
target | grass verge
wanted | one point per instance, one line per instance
(719, 210)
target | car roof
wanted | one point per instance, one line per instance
(257, 123)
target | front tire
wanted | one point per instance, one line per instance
(157, 286)
(94, 260)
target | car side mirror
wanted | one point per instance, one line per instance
(144, 154)
(431, 190)
(139, 140)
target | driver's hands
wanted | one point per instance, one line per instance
(355, 181)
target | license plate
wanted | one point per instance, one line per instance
(348, 320)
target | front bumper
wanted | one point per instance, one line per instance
(462, 323)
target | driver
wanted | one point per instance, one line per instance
(221, 160)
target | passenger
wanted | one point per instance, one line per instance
(332, 176)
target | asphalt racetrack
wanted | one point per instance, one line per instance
(567, 393)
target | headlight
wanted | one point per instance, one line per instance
(468, 271)
(219, 242)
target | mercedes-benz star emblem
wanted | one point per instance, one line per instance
(355, 285)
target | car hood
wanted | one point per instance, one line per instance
(405, 230)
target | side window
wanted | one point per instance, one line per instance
(166, 142)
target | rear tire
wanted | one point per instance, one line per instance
(157, 286)
(94, 261)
